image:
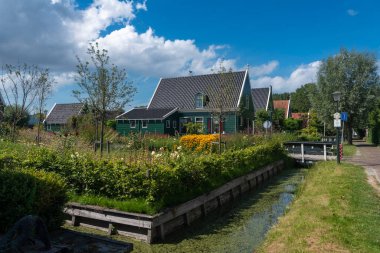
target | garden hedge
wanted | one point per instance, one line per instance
(26, 191)
(160, 184)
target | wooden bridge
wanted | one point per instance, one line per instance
(309, 152)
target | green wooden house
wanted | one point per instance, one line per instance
(59, 114)
(179, 100)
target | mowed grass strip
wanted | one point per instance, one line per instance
(349, 150)
(335, 210)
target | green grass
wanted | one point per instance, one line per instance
(130, 205)
(335, 210)
(349, 150)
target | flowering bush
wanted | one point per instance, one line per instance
(198, 142)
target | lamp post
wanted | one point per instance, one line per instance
(336, 96)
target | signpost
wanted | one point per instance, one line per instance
(267, 124)
(337, 124)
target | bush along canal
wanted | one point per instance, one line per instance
(240, 227)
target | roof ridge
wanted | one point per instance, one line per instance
(232, 72)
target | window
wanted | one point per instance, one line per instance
(49, 127)
(168, 124)
(174, 124)
(199, 101)
(132, 123)
(144, 123)
(199, 120)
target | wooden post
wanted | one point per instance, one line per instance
(302, 153)
(74, 221)
(324, 152)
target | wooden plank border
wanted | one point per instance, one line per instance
(149, 228)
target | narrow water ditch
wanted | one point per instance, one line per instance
(238, 228)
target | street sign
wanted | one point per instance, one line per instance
(344, 116)
(337, 123)
(267, 124)
(337, 115)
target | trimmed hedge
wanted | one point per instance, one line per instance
(26, 191)
(160, 184)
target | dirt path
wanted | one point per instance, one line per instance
(368, 156)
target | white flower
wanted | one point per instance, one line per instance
(153, 153)
(72, 156)
(179, 148)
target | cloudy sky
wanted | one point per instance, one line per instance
(283, 42)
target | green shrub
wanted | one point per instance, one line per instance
(25, 191)
(161, 184)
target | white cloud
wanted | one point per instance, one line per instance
(152, 55)
(352, 12)
(141, 6)
(51, 33)
(301, 75)
(264, 69)
(100, 15)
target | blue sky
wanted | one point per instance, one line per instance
(282, 41)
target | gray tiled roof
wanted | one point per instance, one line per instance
(61, 113)
(2, 102)
(260, 98)
(180, 91)
(144, 113)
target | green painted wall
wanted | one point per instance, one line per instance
(153, 126)
(54, 127)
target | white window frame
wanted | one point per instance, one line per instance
(167, 123)
(201, 97)
(130, 123)
(195, 120)
(48, 126)
(142, 124)
(174, 124)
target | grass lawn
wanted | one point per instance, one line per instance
(335, 210)
(349, 150)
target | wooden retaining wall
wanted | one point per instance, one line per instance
(150, 228)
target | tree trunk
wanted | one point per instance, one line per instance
(349, 132)
(102, 133)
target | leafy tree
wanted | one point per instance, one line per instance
(292, 125)
(261, 116)
(278, 118)
(281, 96)
(301, 98)
(103, 85)
(10, 114)
(355, 75)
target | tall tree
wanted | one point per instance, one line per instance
(19, 84)
(355, 75)
(102, 85)
(301, 98)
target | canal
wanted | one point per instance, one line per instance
(238, 228)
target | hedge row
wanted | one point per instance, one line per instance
(161, 185)
(26, 191)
